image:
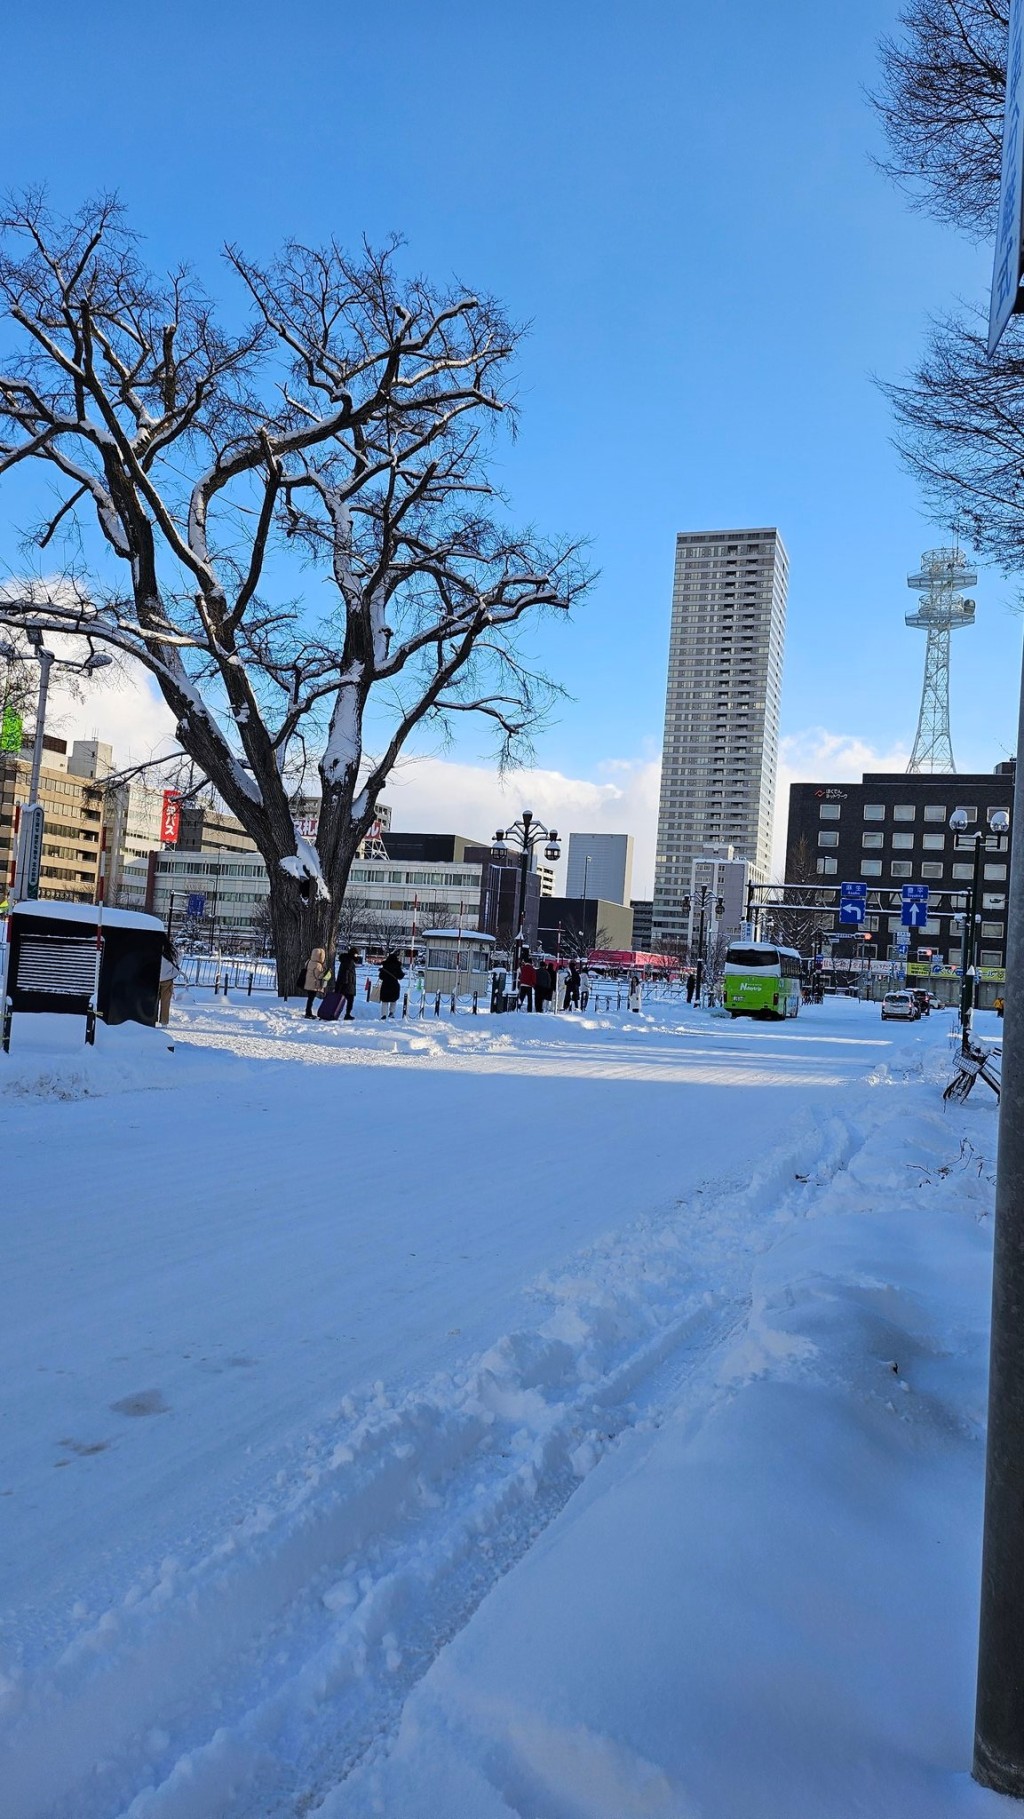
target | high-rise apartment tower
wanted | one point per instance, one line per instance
(721, 741)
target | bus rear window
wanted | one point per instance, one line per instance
(751, 956)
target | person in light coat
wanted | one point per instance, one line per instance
(169, 972)
(584, 989)
(314, 980)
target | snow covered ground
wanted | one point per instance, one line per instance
(571, 1418)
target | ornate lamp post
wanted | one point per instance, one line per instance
(525, 835)
(705, 891)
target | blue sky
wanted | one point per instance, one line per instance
(680, 199)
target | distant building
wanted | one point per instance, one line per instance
(600, 865)
(721, 738)
(568, 924)
(546, 879)
(722, 878)
(643, 911)
(73, 822)
(205, 829)
(132, 814)
(893, 829)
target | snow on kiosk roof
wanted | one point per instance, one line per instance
(454, 934)
(93, 913)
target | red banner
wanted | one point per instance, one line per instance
(170, 820)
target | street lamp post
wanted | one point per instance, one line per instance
(706, 891)
(28, 858)
(526, 834)
(999, 1714)
(999, 822)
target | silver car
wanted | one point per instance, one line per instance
(900, 1004)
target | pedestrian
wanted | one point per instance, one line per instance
(571, 1001)
(527, 981)
(584, 989)
(314, 980)
(545, 985)
(635, 993)
(345, 981)
(690, 983)
(391, 974)
(169, 972)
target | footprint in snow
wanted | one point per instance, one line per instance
(144, 1402)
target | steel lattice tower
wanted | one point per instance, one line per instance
(943, 576)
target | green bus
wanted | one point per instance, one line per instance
(762, 980)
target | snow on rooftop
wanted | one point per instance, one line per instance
(91, 913)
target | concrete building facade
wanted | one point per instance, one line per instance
(600, 865)
(892, 829)
(720, 750)
(73, 822)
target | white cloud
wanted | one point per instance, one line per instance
(816, 755)
(439, 795)
(122, 706)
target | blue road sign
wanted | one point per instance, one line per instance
(196, 905)
(853, 888)
(915, 905)
(851, 911)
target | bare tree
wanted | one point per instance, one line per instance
(960, 414)
(941, 106)
(802, 918)
(344, 429)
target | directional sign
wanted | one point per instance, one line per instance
(853, 896)
(915, 905)
(196, 904)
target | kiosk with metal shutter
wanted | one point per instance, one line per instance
(80, 960)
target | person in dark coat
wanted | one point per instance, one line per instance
(571, 1001)
(545, 985)
(690, 983)
(345, 980)
(391, 974)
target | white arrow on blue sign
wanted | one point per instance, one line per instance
(915, 905)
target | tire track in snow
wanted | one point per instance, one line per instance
(296, 1641)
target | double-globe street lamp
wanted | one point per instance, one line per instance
(704, 891)
(998, 823)
(28, 861)
(526, 834)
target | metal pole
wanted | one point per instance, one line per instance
(999, 1718)
(972, 927)
(45, 660)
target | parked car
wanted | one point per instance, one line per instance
(923, 999)
(900, 1004)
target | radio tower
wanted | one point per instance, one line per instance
(942, 577)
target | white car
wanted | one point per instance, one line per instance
(900, 1004)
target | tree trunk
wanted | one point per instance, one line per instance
(298, 928)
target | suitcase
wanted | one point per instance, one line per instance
(329, 1006)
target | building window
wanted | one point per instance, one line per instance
(828, 811)
(902, 868)
(935, 811)
(991, 957)
(933, 843)
(871, 868)
(872, 840)
(992, 931)
(904, 811)
(995, 871)
(827, 868)
(930, 869)
(990, 900)
(963, 871)
(874, 811)
(828, 838)
(902, 842)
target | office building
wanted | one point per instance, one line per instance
(205, 829)
(73, 822)
(643, 914)
(578, 925)
(721, 740)
(893, 829)
(717, 878)
(600, 865)
(132, 814)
